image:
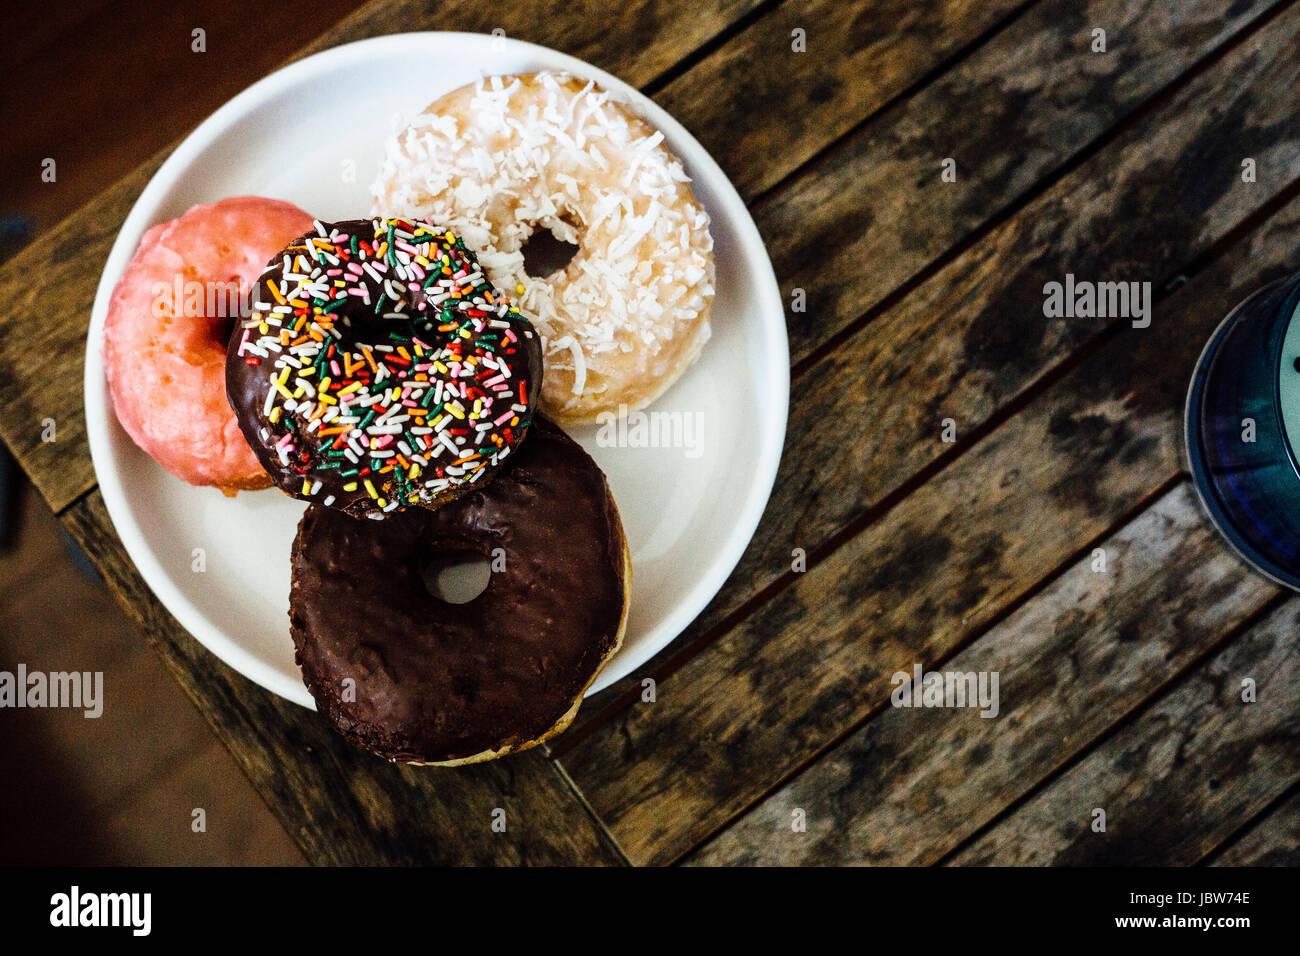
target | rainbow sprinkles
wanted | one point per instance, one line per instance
(388, 371)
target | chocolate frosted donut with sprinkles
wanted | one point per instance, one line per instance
(379, 369)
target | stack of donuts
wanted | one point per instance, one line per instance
(406, 376)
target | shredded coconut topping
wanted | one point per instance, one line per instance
(506, 156)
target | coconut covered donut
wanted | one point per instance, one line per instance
(412, 678)
(509, 155)
(165, 335)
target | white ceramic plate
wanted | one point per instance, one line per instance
(688, 514)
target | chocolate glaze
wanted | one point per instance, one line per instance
(387, 314)
(438, 681)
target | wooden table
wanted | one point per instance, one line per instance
(974, 486)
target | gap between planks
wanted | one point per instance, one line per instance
(1175, 680)
(970, 439)
(1236, 271)
(1256, 752)
(1263, 817)
(1012, 209)
(628, 696)
(1070, 560)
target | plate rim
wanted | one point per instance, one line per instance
(774, 352)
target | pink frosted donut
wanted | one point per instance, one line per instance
(168, 323)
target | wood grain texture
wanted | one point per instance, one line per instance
(1178, 779)
(46, 294)
(770, 108)
(1272, 841)
(947, 560)
(637, 41)
(99, 90)
(911, 784)
(871, 213)
(966, 343)
(341, 805)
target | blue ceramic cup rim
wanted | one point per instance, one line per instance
(1197, 462)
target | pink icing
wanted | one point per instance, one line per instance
(167, 374)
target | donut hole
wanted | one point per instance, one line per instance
(545, 253)
(456, 576)
(227, 307)
(223, 327)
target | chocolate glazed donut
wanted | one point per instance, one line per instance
(440, 683)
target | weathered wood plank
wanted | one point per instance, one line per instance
(1272, 841)
(341, 805)
(46, 292)
(637, 43)
(1178, 779)
(771, 108)
(870, 214)
(911, 784)
(944, 562)
(967, 342)
(99, 90)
